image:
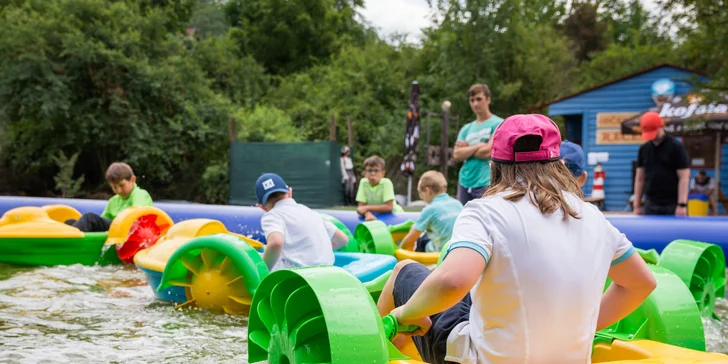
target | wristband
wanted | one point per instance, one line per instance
(682, 205)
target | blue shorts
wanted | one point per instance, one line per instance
(433, 346)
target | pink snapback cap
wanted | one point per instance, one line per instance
(517, 126)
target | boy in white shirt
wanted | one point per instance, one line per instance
(296, 236)
(523, 278)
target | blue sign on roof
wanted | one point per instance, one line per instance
(662, 90)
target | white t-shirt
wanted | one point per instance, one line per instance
(695, 187)
(306, 235)
(538, 298)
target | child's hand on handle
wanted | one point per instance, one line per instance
(369, 216)
(418, 327)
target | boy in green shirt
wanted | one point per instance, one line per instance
(122, 180)
(376, 193)
(473, 146)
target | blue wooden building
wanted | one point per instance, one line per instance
(592, 120)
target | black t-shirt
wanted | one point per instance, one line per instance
(661, 163)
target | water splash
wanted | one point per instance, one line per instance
(716, 332)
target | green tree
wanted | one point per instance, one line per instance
(290, 36)
(65, 183)
(368, 84)
(208, 19)
(586, 31)
(234, 74)
(266, 124)
(107, 76)
(621, 60)
(703, 34)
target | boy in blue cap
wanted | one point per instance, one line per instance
(573, 157)
(296, 236)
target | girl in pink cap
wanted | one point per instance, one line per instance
(523, 277)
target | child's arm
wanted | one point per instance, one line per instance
(273, 249)
(273, 229)
(449, 283)
(382, 209)
(445, 287)
(338, 238)
(416, 230)
(387, 196)
(408, 243)
(632, 282)
(363, 211)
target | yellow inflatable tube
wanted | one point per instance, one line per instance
(39, 222)
(424, 258)
(120, 226)
(156, 257)
(620, 352)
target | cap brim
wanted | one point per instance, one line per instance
(264, 200)
(649, 135)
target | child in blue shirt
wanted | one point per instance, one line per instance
(437, 218)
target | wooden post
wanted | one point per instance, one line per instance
(444, 141)
(332, 128)
(350, 130)
(427, 144)
(232, 129)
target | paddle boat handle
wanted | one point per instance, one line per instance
(392, 327)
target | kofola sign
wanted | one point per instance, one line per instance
(688, 114)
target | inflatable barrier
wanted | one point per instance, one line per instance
(237, 219)
(645, 232)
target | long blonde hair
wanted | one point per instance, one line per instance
(543, 182)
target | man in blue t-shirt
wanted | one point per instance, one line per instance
(473, 146)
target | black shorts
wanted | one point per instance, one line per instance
(466, 194)
(433, 346)
(421, 243)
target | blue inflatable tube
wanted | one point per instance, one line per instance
(238, 219)
(655, 232)
(646, 232)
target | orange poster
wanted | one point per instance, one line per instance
(616, 137)
(613, 120)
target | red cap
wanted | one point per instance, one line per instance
(650, 123)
